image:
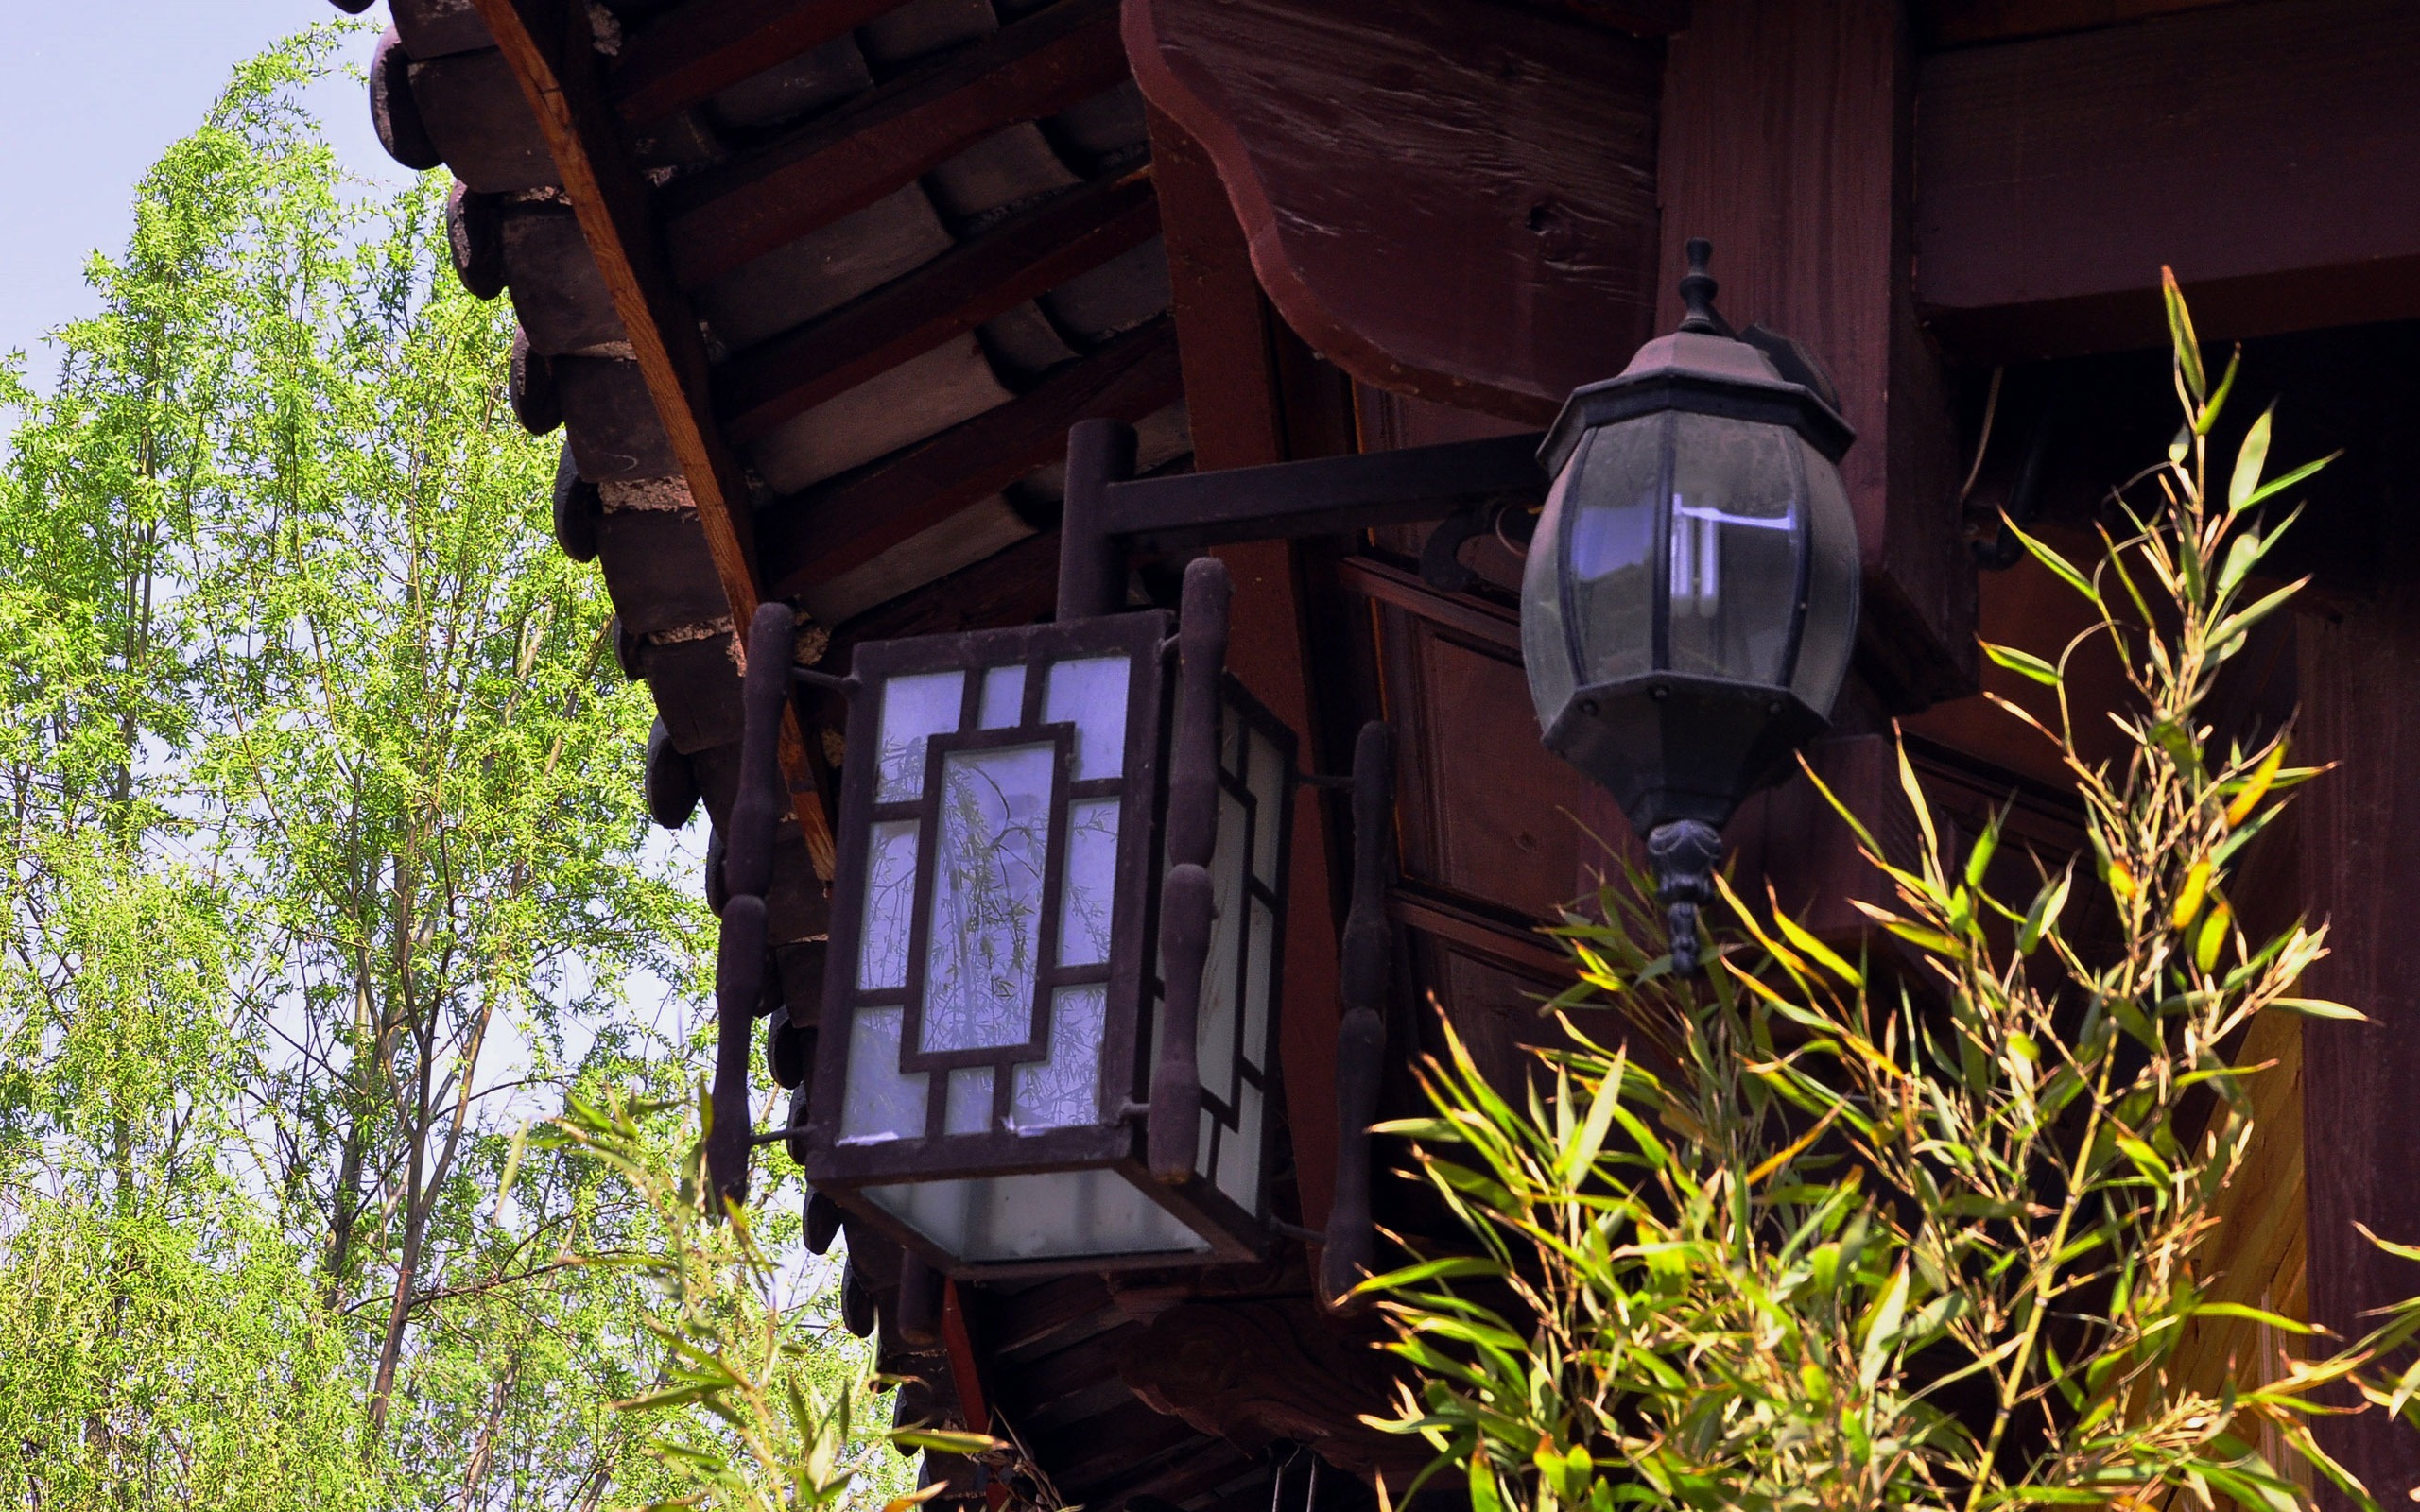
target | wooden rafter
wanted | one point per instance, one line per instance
(846, 524)
(1026, 255)
(702, 50)
(845, 161)
(547, 45)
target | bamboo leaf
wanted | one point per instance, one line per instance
(2180, 333)
(2024, 664)
(2058, 565)
(2249, 460)
(2319, 1009)
(2286, 480)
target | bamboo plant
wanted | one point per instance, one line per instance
(1823, 1235)
(753, 1412)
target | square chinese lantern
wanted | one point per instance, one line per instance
(993, 1005)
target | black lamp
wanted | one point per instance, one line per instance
(1690, 599)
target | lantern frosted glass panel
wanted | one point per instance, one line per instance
(1063, 1089)
(1038, 1217)
(1268, 777)
(1732, 579)
(913, 710)
(883, 1103)
(970, 1101)
(1003, 698)
(1832, 574)
(1232, 1044)
(983, 943)
(1090, 895)
(1090, 693)
(890, 905)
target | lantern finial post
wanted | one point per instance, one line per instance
(1698, 288)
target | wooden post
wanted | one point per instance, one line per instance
(2361, 860)
(1787, 140)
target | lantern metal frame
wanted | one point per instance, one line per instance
(1119, 1140)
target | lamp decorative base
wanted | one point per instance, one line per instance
(1683, 854)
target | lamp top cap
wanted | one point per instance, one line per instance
(1705, 367)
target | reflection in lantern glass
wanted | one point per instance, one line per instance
(993, 841)
(1091, 695)
(913, 709)
(891, 904)
(1734, 574)
(1064, 1091)
(1088, 902)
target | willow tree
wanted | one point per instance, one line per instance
(324, 836)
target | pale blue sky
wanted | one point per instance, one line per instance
(90, 91)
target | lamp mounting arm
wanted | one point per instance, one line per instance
(1350, 1242)
(1188, 898)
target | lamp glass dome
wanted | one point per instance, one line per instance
(1689, 601)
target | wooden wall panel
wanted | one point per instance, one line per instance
(2360, 852)
(1786, 141)
(1488, 812)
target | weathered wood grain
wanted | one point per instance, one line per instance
(2256, 149)
(1448, 198)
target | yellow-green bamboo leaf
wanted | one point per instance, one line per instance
(2256, 787)
(2249, 459)
(2188, 898)
(2213, 937)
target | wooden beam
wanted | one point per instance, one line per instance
(2253, 147)
(548, 45)
(816, 537)
(1448, 198)
(1024, 256)
(1233, 397)
(1804, 197)
(694, 53)
(1323, 496)
(1256, 1372)
(1970, 23)
(1044, 63)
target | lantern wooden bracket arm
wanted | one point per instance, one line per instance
(1349, 1246)
(740, 975)
(1320, 497)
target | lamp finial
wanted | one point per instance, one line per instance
(1698, 289)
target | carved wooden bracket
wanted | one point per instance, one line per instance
(1450, 200)
(1257, 1372)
